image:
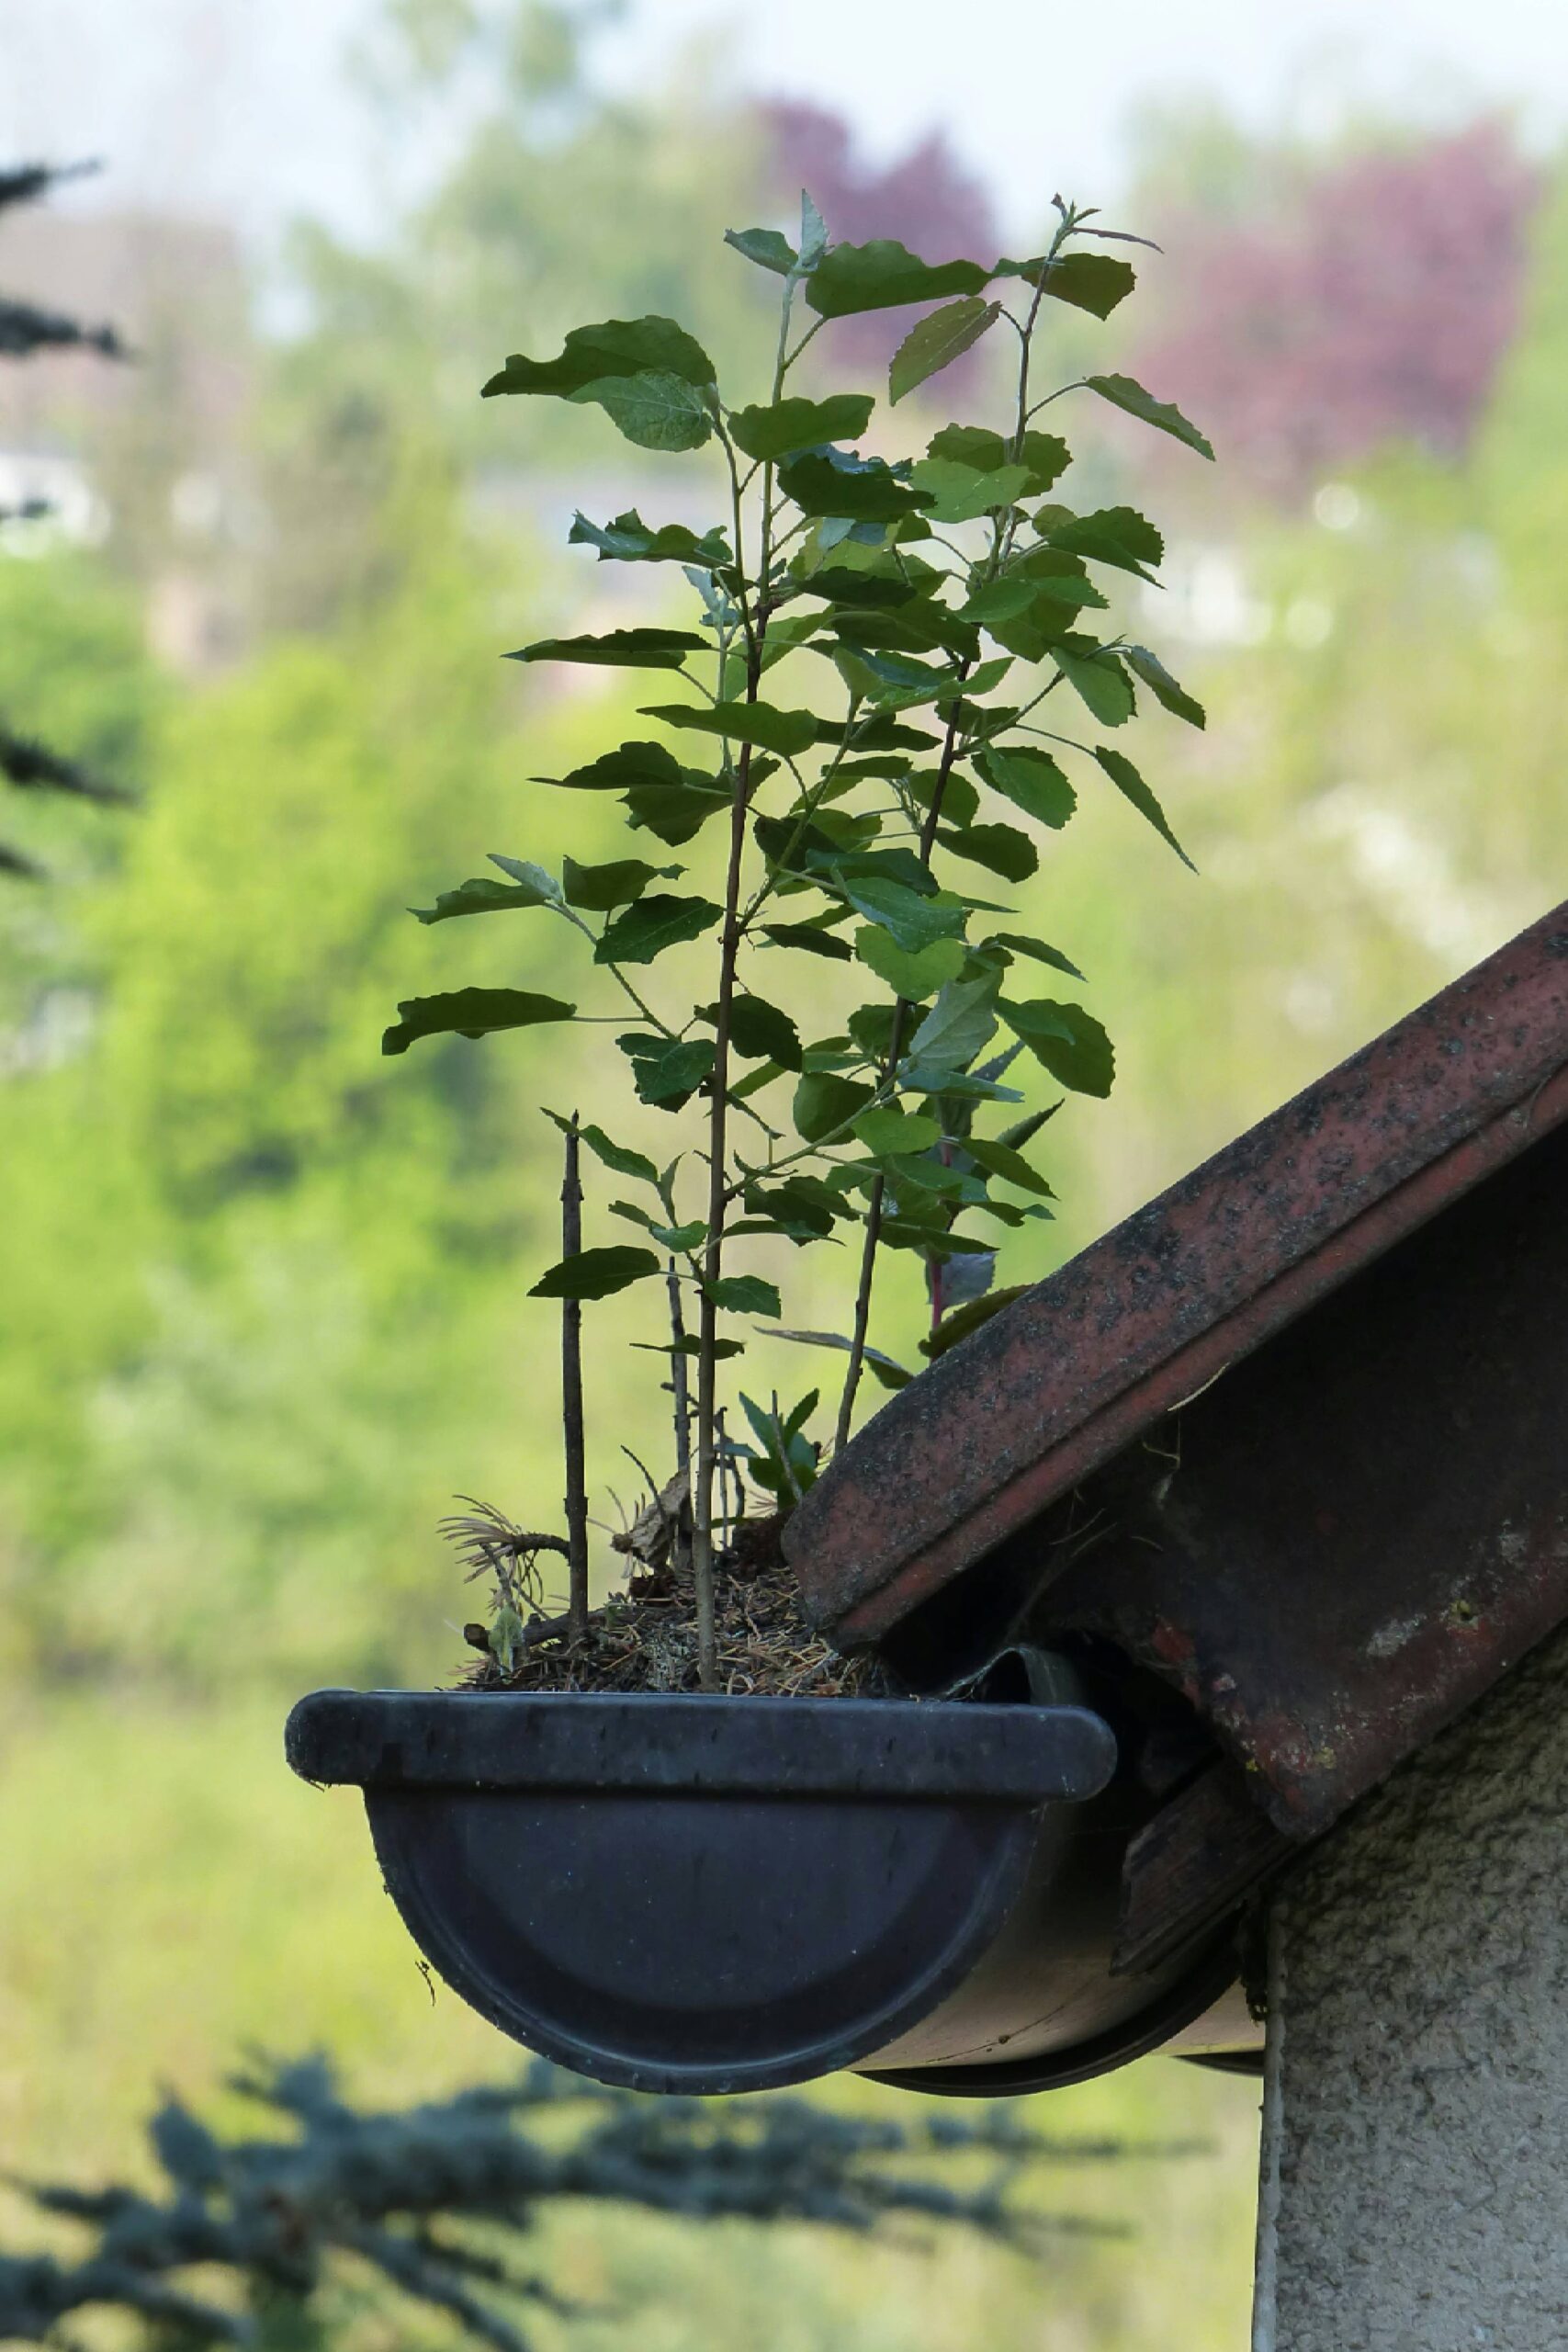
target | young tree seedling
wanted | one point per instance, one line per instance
(933, 609)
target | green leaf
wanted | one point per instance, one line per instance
(874, 495)
(1024, 1131)
(481, 896)
(596, 1273)
(895, 680)
(669, 1236)
(928, 1174)
(1115, 535)
(597, 888)
(655, 411)
(623, 648)
(840, 585)
(913, 921)
(769, 433)
(745, 1294)
(617, 347)
(882, 276)
(960, 801)
(918, 627)
(723, 1348)
(765, 1074)
(824, 1102)
(1000, 848)
(890, 1374)
(921, 1224)
(1099, 681)
(957, 1026)
(813, 233)
(768, 248)
(758, 1031)
(785, 731)
(792, 844)
(799, 1208)
(531, 876)
(1094, 282)
(1123, 393)
(1051, 619)
(935, 341)
(1127, 780)
(915, 975)
(1000, 600)
(990, 674)
(1046, 456)
(958, 493)
(1032, 780)
(673, 813)
(975, 445)
(628, 539)
(632, 763)
(880, 732)
(965, 1319)
(1057, 573)
(505, 1637)
(668, 1071)
(1021, 944)
(887, 1130)
(998, 1159)
(914, 918)
(1163, 686)
(807, 936)
(616, 1156)
(1067, 1040)
(470, 1012)
(652, 924)
(785, 1460)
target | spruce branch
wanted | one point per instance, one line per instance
(24, 183)
(33, 767)
(440, 2202)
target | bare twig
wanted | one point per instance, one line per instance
(571, 1395)
(679, 1383)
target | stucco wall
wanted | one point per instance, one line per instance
(1415, 2189)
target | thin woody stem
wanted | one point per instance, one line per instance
(901, 1011)
(679, 1381)
(927, 834)
(571, 1397)
(754, 624)
(712, 1253)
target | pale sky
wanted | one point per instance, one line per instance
(238, 107)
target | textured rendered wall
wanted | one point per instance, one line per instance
(1415, 2183)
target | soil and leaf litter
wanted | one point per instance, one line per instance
(895, 684)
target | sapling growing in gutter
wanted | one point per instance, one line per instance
(932, 608)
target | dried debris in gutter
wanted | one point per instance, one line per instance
(645, 1638)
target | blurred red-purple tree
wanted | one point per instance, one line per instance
(1367, 300)
(925, 197)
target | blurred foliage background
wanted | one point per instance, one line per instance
(262, 1297)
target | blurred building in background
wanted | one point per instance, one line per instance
(148, 461)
